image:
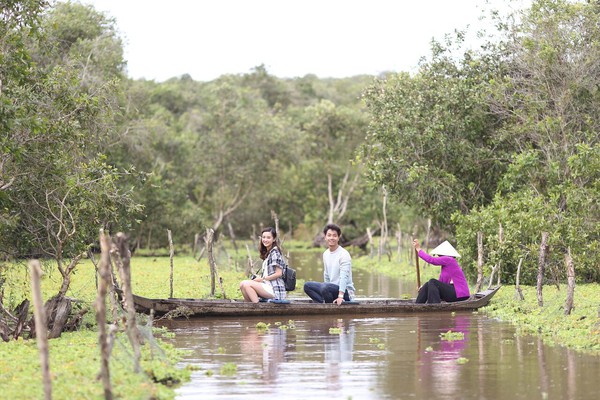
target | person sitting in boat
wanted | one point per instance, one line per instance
(270, 284)
(452, 285)
(337, 286)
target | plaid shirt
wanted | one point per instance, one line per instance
(273, 261)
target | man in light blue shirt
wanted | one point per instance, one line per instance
(337, 273)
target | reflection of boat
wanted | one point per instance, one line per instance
(302, 306)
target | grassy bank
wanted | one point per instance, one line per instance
(75, 364)
(580, 330)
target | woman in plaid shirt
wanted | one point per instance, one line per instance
(270, 285)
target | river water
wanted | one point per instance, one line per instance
(403, 356)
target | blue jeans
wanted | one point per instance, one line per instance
(321, 292)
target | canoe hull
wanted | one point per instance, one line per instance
(236, 308)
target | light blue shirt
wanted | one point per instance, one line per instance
(338, 269)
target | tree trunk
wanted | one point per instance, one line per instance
(494, 268)
(519, 292)
(232, 236)
(370, 236)
(501, 240)
(211, 260)
(195, 245)
(131, 323)
(383, 237)
(399, 242)
(479, 262)
(570, 281)
(542, 267)
(101, 313)
(171, 254)
(58, 309)
(40, 323)
(250, 265)
(427, 235)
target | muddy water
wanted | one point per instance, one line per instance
(381, 357)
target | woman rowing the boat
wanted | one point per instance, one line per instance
(270, 284)
(452, 285)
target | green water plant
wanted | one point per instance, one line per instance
(262, 326)
(228, 369)
(451, 336)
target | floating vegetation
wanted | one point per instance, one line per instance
(283, 327)
(462, 360)
(450, 336)
(429, 348)
(221, 350)
(262, 326)
(381, 346)
(291, 324)
(277, 323)
(335, 331)
(209, 372)
(374, 340)
(228, 369)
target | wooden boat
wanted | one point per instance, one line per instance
(301, 306)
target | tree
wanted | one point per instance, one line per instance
(61, 188)
(431, 137)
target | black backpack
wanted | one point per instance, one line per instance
(289, 278)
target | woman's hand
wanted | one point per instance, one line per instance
(416, 245)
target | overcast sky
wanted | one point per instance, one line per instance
(328, 38)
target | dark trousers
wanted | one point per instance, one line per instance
(435, 291)
(323, 292)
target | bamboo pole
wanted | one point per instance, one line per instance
(40, 326)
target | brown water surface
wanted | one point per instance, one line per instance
(377, 357)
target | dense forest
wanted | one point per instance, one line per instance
(501, 139)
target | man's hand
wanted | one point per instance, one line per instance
(339, 301)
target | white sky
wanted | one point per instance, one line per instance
(328, 38)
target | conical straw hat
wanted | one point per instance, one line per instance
(445, 249)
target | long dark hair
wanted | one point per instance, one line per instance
(264, 252)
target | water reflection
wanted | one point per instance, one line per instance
(378, 358)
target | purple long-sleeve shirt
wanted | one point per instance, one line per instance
(450, 272)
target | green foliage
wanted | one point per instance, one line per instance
(505, 135)
(430, 140)
(57, 189)
(75, 357)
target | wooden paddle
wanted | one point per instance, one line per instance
(418, 272)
